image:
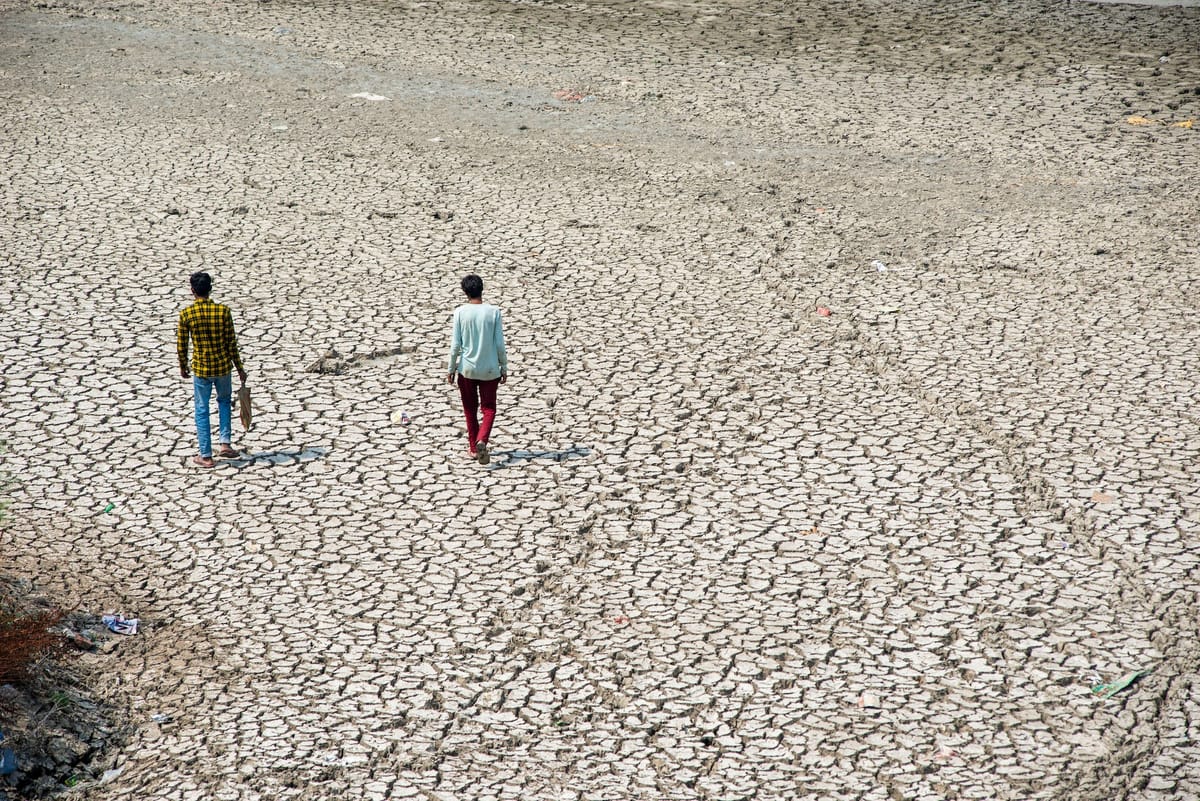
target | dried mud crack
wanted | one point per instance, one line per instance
(728, 545)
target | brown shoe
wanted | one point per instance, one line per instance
(227, 452)
(203, 461)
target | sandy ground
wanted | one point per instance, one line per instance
(727, 548)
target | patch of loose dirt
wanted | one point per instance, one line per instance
(64, 723)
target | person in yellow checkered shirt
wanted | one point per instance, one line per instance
(209, 328)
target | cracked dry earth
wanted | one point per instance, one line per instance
(727, 548)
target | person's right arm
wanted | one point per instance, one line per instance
(501, 352)
(231, 346)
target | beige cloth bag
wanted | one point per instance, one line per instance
(243, 404)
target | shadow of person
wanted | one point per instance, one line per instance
(276, 457)
(502, 459)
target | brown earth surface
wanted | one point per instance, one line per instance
(727, 548)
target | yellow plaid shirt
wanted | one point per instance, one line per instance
(210, 327)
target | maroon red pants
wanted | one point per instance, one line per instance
(476, 394)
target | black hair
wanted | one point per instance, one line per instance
(473, 286)
(201, 284)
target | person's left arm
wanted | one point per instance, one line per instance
(455, 346)
(182, 334)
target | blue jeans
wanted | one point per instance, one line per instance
(202, 392)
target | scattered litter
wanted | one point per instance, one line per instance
(161, 717)
(820, 209)
(823, 311)
(1137, 120)
(281, 30)
(109, 775)
(868, 701)
(812, 532)
(401, 418)
(620, 620)
(730, 163)
(945, 753)
(1112, 688)
(108, 508)
(879, 266)
(437, 139)
(120, 624)
(1163, 59)
(1102, 497)
(369, 96)
(572, 96)
(279, 127)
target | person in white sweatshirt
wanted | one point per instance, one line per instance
(478, 363)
